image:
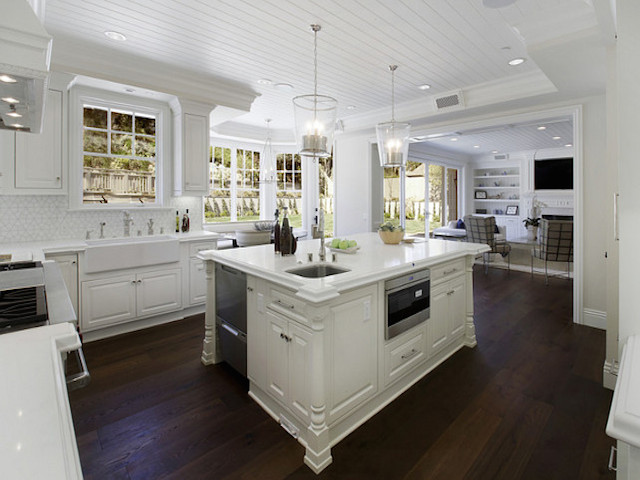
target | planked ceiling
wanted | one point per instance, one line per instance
(446, 44)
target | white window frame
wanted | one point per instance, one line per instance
(78, 97)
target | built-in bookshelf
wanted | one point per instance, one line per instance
(495, 190)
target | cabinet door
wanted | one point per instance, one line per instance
(256, 333)
(68, 264)
(195, 158)
(438, 323)
(108, 301)
(159, 292)
(197, 282)
(277, 357)
(457, 307)
(300, 370)
(7, 152)
(39, 156)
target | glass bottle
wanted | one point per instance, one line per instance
(285, 234)
(276, 232)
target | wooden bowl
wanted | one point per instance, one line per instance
(391, 238)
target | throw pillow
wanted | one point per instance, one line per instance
(496, 230)
(460, 224)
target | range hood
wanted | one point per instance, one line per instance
(25, 52)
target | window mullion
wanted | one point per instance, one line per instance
(233, 187)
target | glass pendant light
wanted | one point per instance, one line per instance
(315, 115)
(267, 163)
(393, 137)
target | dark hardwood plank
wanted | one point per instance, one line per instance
(526, 403)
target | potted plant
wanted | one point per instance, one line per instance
(390, 233)
(532, 224)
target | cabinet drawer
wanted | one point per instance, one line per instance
(288, 305)
(196, 247)
(403, 354)
(447, 270)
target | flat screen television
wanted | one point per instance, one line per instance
(553, 174)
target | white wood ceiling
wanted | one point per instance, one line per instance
(449, 44)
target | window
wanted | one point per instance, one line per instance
(117, 144)
(248, 185)
(325, 187)
(289, 186)
(217, 206)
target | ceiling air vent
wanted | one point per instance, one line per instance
(501, 156)
(449, 101)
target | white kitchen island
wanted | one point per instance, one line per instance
(318, 361)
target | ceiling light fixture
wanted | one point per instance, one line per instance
(13, 112)
(285, 87)
(116, 36)
(542, 127)
(556, 138)
(494, 151)
(264, 81)
(267, 167)
(10, 100)
(315, 115)
(7, 79)
(476, 146)
(568, 145)
(454, 139)
(516, 61)
(393, 137)
(424, 86)
(17, 125)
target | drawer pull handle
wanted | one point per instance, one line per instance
(410, 354)
(285, 305)
(250, 289)
(612, 456)
(449, 272)
(79, 380)
(451, 292)
(285, 337)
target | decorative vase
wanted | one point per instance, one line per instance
(391, 238)
(532, 232)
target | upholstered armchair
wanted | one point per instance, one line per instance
(556, 244)
(483, 230)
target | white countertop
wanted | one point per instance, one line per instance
(25, 251)
(37, 439)
(624, 416)
(374, 261)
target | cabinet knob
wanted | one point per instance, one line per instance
(249, 289)
(58, 178)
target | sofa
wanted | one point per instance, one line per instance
(452, 231)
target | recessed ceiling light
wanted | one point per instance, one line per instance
(351, 107)
(476, 146)
(516, 61)
(494, 151)
(264, 81)
(10, 100)
(556, 138)
(568, 145)
(17, 125)
(117, 36)
(424, 86)
(542, 127)
(7, 79)
(454, 139)
(14, 114)
(285, 87)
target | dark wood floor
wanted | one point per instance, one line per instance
(526, 403)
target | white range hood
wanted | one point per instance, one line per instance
(25, 52)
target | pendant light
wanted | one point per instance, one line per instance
(267, 164)
(393, 137)
(315, 115)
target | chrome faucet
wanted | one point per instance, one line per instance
(128, 221)
(150, 227)
(102, 224)
(322, 255)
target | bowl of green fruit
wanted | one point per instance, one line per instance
(391, 234)
(343, 245)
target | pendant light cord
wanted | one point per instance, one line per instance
(316, 29)
(393, 92)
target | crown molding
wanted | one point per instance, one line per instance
(95, 60)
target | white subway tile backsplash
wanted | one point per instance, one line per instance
(26, 218)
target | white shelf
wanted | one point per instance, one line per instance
(497, 199)
(496, 188)
(497, 176)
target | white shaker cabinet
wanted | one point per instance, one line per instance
(39, 157)
(191, 147)
(448, 306)
(122, 298)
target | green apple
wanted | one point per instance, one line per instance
(353, 243)
(344, 244)
(335, 243)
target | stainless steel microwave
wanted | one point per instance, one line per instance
(407, 302)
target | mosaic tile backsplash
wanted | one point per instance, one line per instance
(38, 218)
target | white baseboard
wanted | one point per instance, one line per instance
(594, 318)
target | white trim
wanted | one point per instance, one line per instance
(610, 371)
(77, 96)
(595, 318)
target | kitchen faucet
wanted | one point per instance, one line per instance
(102, 224)
(320, 232)
(150, 227)
(128, 221)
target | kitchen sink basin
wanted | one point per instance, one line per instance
(117, 253)
(317, 271)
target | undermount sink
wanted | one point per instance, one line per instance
(317, 271)
(117, 253)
